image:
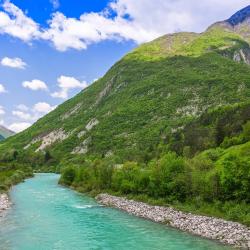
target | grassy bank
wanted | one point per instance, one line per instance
(214, 183)
(13, 174)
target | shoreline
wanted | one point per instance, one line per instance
(226, 232)
(5, 204)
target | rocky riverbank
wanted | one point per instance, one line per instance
(4, 203)
(226, 232)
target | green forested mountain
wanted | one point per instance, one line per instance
(146, 98)
(169, 121)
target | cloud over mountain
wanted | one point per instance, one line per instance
(120, 20)
(67, 83)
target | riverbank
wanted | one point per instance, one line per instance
(4, 203)
(226, 232)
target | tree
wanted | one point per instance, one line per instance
(68, 176)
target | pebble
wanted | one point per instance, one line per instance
(226, 232)
(4, 203)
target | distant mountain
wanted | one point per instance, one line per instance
(240, 16)
(239, 24)
(5, 133)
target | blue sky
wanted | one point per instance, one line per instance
(52, 49)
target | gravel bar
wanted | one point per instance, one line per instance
(226, 232)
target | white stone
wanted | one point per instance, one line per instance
(227, 232)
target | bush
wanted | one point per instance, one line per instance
(68, 176)
(235, 177)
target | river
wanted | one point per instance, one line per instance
(46, 216)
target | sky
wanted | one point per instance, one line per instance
(52, 49)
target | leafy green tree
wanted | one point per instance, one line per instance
(68, 175)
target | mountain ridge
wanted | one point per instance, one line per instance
(99, 103)
(240, 16)
(5, 133)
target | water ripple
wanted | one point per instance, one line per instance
(49, 217)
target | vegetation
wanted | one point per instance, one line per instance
(172, 126)
(147, 95)
(216, 182)
(13, 174)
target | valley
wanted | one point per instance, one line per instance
(167, 125)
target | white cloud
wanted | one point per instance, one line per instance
(32, 114)
(66, 83)
(147, 20)
(2, 112)
(2, 89)
(91, 28)
(43, 107)
(22, 107)
(19, 126)
(55, 3)
(15, 23)
(35, 85)
(22, 115)
(13, 62)
(139, 21)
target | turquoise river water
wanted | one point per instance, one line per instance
(46, 216)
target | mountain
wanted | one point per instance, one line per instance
(169, 121)
(4, 133)
(146, 96)
(239, 23)
(240, 17)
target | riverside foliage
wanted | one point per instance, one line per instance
(216, 187)
(12, 175)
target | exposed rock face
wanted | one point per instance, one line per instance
(82, 148)
(109, 153)
(81, 134)
(226, 232)
(49, 139)
(105, 91)
(34, 141)
(242, 55)
(91, 124)
(72, 111)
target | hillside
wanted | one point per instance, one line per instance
(174, 111)
(149, 93)
(146, 96)
(5, 133)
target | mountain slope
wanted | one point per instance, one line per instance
(240, 16)
(157, 87)
(4, 133)
(153, 90)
